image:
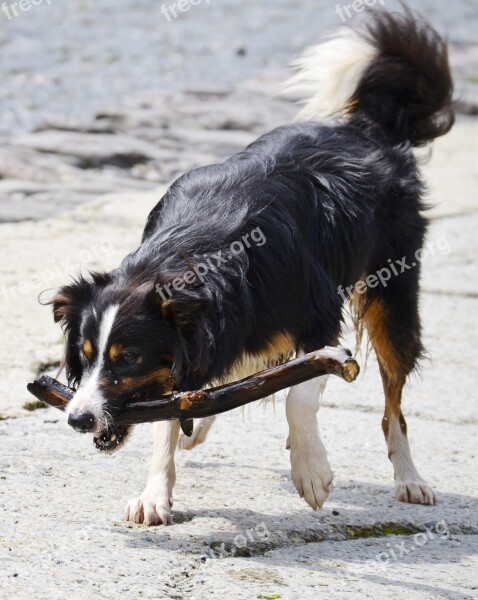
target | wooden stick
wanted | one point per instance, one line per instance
(204, 403)
(51, 392)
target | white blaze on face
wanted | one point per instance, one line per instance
(88, 397)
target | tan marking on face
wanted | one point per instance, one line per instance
(115, 351)
(88, 349)
(161, 375)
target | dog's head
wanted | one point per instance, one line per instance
(123, 343)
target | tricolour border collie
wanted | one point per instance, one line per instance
(243, 264)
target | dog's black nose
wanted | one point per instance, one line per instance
(82, 421)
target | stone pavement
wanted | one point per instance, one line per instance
(240, 530)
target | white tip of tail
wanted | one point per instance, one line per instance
(328, 74)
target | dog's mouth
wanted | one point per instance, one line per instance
(111, 437)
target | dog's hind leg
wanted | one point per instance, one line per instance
(154, 505)
(393, 326)
(310, 468)
(199, 435)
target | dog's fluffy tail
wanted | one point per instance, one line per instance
(392, 72)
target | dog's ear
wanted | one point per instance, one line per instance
(188, 315)
(68, 305)
(187, 310)
(182, 312)
(71, 299)
(181, 308)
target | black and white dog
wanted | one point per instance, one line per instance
(241, 262)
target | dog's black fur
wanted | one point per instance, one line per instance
(334, 202)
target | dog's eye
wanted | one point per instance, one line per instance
(130, 358)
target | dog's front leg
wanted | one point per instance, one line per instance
(310, 471)
(154, 505)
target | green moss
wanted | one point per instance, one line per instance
(293, 538)
(363, 532)
(378, 530)
(396, 529)
(271, 597)
(471, 78)
(34, 405)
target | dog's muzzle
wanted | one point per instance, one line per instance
(82, 421)
(111, 437)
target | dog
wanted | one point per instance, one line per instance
(241, 263)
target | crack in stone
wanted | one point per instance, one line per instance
(456, 215)
(334, 533)
(451, 293)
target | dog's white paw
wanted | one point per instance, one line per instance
(153, 507)
(199, 435)
(311, 474)
(415, 492)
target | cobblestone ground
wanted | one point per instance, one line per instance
(74, 195)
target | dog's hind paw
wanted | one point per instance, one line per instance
(150, 508)
(312, 476)
(415, 492)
